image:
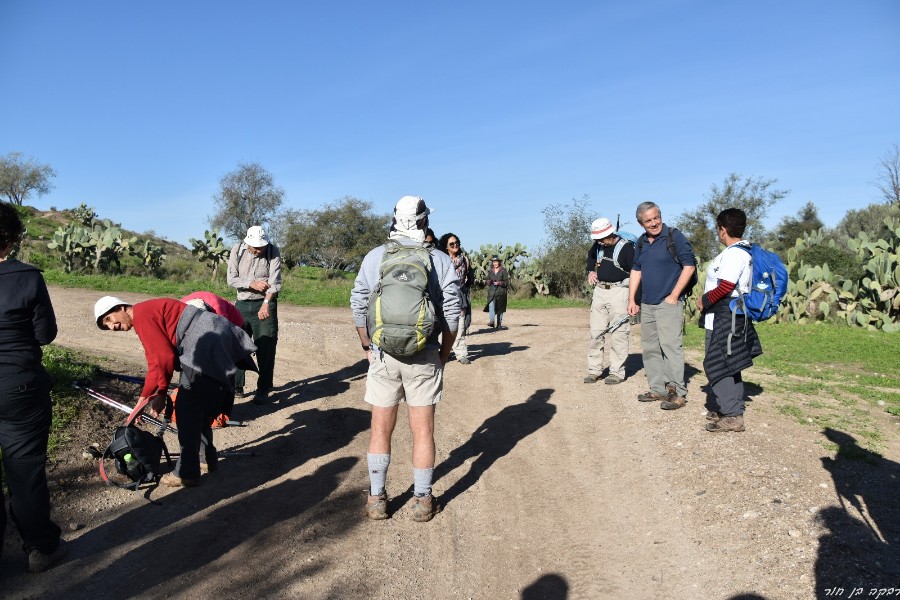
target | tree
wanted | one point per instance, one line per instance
(790, 229)
(20, 178)
(890, 176)
(752, 195)
(247, 196)
(869, 219)
(563, 254)
(335, 237)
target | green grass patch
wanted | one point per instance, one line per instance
(305, 286)
(830, 376)
(65, 367)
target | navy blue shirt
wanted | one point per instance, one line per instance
(659, 272)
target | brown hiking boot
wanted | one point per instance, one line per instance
(173, 480)
(673, 401)
(423, 508)
(613, 380)
(591, 378)
(650, 397)
(726, 424)
(376, 507)
(712, 415)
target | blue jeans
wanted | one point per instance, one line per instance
(491, 315)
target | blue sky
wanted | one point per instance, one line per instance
(489, 110)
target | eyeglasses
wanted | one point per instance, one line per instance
(453, 244)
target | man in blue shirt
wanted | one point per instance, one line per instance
(662, 274)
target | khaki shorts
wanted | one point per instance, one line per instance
(419, 379)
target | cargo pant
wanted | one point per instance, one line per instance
(661, 339)
(608, 305)
(265, 335)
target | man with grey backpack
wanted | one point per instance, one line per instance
(406, 307)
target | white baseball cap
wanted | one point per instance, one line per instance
(256, 237)
(601, 228)
(104, 306)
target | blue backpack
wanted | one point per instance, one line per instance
(768, 285)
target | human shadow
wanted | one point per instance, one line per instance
(495, 349)
(320, 386)
(547, 587)
(310, 434)
(168, 558)
(494, 439)
(862, 546)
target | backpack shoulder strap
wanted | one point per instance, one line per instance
(670, 244)
(618, 250)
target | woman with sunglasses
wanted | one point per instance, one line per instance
(450, 245)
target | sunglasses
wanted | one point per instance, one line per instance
(453, 244)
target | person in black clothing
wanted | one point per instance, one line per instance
(27, 322)
(608, 267)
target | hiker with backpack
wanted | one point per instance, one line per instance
(609, 262)
(27, 322)
(206, 348)
(664, 267)
(254, 270)
(452, 247)
(405, 299)
(731, 339)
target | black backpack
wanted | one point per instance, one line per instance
(137, 455)
(670, 246)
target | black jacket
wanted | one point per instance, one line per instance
(27, 321)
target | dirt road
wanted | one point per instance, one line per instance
(550, 488)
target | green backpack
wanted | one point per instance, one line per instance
(401, 315)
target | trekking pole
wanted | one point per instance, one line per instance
(120, 377)
(123, 407)
(615, 325)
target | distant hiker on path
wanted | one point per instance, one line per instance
(399, 332)
(497, 283)
(27, 322)
(254, 269)
(205, 347)
(609, 263)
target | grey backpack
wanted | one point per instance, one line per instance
(401, 315)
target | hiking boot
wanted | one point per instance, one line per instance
(260, 398)
(376, 507)
(649, 397)
(591, 378)
(712, 415)
(173, 480)
(463, 361)
(726, 424)
(38, 562)
(613, 380)
(673, 401)
(491, 324)
(673, 404)
(423, 508)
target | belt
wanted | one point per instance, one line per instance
(606, 285)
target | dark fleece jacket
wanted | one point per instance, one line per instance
(27, 321)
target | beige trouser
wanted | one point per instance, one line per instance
(608, 306)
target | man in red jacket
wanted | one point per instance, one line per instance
(206, 348)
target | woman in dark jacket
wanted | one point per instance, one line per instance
(27, 322)
(497, 283)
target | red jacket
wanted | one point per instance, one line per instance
(155, 322)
